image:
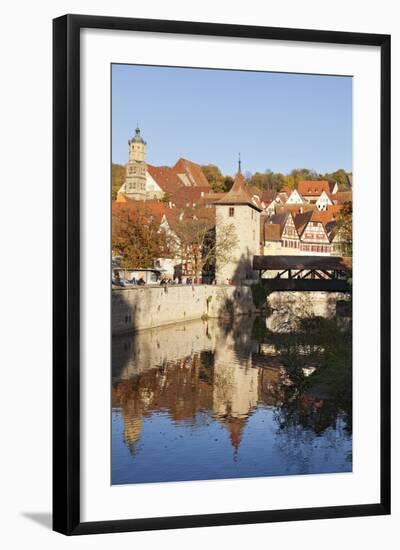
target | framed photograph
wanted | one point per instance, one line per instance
(221, 274)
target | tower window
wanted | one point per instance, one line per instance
(231, 212)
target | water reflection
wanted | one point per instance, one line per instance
(223, 399)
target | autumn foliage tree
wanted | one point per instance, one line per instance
(196, 243)
(117, 179)
(344, 229)
(218, 182)
(136, 237)
(342, 178)
(267, 180)
(274, 181)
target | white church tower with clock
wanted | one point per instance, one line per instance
(135, 178)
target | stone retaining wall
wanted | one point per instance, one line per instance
(287, 308)
(147, 307)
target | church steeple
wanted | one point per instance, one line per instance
(138, 138)
(135, 180)
(239, 165)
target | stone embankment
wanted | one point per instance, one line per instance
(148, 307)
(286, 309)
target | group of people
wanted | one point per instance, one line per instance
(162, 280)
(116, 280)
(176, 281)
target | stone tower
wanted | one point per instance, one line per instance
(241, 211)
(135, 179)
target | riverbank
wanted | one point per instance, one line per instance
(142, 308)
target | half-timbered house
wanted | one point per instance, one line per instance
(314, 239)
(290, 237)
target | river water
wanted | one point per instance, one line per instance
(226, 399)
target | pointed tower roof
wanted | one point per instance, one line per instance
(240, 194)
(235, 427)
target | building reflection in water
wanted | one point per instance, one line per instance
(213, 367)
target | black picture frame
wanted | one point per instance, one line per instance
(66, 273)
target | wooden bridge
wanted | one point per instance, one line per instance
(302, 273)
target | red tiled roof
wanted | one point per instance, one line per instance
(148, 209)
(240, 194)
(343, 196)
(267, 196)
(165, 177)
(211, 198)
(193, 171)
(310, 213)
(333, 210)
(294, 208)
(189, 196)
(204, 214)
(168, 178)
(309, 188)
(320, 217)
(176, 217)
(326, 216)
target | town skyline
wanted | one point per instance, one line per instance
(231, 287)
(308, 117)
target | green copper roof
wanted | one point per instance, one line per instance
(137, 138)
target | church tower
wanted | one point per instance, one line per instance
(135, 179)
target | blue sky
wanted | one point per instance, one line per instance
(277, 121)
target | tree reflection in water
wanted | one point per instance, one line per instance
(202, 375)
